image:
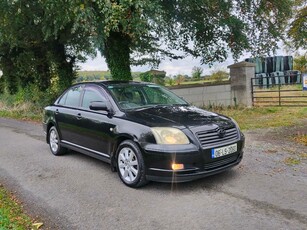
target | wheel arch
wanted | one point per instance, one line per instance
(49, 125)
(118, 141)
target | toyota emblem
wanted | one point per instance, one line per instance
(221, 132)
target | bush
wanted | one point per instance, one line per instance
(146, 77)
(149, 77)
(170, 81)
(219, 76)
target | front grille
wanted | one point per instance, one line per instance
(211, 138)
(220, 163)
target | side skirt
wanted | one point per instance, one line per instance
(92, 153)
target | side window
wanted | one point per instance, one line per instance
(63, 99)
(90, 96)
(73, 96)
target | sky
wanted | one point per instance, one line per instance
(172, 67)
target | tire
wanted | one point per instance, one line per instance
(54, 142)
(130, 164)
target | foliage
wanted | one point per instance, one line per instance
(11, 106)
(11, 213)
(219, 75)
(88, 78)
(196, 72)
(179, 79)
(146, 77)
(169, 81)
(297, 33)
(300, 63)
(40, 40)
(153, 76)
(38, 43)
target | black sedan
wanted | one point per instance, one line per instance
(143, 130)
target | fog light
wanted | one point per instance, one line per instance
(177, 166)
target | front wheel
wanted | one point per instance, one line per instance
(54, 142)
(130, 164)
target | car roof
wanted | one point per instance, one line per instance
(108, 82)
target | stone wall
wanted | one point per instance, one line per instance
(206, 95)
(237, 92)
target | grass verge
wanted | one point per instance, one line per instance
(264, 117)
(25, 111)
(12, 215)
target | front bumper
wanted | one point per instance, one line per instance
(198, 163)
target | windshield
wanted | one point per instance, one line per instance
(135, 96)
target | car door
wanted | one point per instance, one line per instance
(96, 127)
(67, 115)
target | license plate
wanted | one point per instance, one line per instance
(223, 151)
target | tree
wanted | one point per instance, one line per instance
(300, 63)
(134, 32)
(219, 75)
(170, 81)
(179, 79)
(297, 33)
(147, 31)
(38, 42)
(196, 72)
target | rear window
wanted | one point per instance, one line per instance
(72, 97)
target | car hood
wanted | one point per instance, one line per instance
(178, 116)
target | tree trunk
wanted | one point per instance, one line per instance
(2, 85)
(42, 69)
(65, 65)
(117, 54)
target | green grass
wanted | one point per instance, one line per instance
(12, 215)
(23, 111)
(264, 117)
(199, 82)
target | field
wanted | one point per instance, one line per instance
(99, 75)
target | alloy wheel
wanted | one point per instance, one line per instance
(128, 165)
(54, 141)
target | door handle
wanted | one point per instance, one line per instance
(79, 116)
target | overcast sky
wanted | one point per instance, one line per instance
(172, 67)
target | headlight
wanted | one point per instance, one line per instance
(169, 136)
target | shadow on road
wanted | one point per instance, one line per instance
(208, 183)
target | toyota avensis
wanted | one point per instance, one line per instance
(144, 131)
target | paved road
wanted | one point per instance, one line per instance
(78, 192)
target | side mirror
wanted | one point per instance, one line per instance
(99, 105)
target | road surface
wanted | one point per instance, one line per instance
(78, 192)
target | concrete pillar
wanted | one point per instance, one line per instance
(240, 81)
